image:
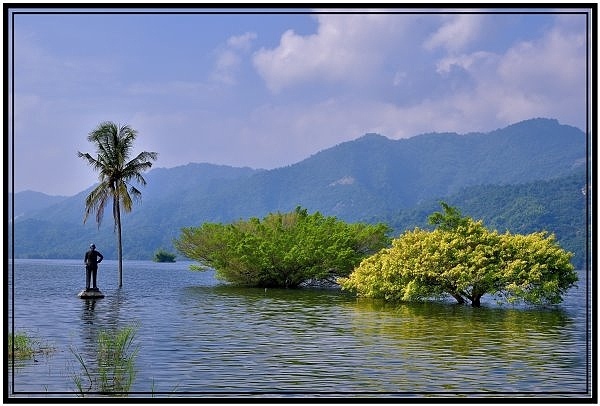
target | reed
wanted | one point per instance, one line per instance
(115, 370)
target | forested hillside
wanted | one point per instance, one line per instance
(558, 206)
(371, 177)
(374, 174)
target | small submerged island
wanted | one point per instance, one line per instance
(163, 256)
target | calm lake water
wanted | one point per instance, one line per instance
(198, 337)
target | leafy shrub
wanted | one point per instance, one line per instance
(163, 256)
(281, 250)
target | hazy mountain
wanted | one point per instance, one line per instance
(28, 202)
(370, 177)
(372, 174)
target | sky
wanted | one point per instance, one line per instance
(267, 88)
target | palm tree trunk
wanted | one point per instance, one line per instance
(119, 243)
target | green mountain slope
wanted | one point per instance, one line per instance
(374, 174)
(558, 206)
(370, 177)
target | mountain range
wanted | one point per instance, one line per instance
(372, 178)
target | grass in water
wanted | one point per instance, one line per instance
(20, 346)
(115, 370)
(23, 347)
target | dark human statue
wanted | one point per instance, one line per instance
(92, 259)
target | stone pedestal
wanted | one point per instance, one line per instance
(91, 294)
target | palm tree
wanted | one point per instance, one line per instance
(113, 146)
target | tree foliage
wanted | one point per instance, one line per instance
(282, 249)
(163, 256)
(465, 260)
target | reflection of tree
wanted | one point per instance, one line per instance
(113, 311)
(462, 338)
(102, 366)
(85, 351)
(266, 304)
(96, 315)
(251, 295)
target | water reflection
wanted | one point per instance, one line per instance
(407, 347)
(115, 304)
(196, 335)
(525, 349)
(87, 315)
(97, 315)
(442, 319)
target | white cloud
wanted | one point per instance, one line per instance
(229, 59)
(456, 33)
(225, 67)
(345, 48)
(544, 77)
(242, 42)
(540, 77)
(554, 64)
(464, 61)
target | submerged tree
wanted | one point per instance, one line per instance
(282, 249)
(463, 259)
(163, 256)
(114, 145)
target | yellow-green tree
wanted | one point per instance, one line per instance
(463, 259)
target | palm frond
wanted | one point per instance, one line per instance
(124, 197)
(96, 202)
(94, 163)
(134, 168)
(135, 193)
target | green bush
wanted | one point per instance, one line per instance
(163, 256)
(282, 250)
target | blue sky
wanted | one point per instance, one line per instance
(269, 90)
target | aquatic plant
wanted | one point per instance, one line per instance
(115, 370)
(22, 347)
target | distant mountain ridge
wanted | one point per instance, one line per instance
(558, 206)
(28, 202)
(371, 174)
(358, 180)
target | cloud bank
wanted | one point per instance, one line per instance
(270, 90)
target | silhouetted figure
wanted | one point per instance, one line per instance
(92, 259)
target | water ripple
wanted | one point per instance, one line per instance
(198, 336)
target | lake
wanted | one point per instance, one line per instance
(198, 337)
